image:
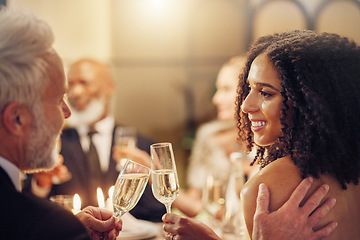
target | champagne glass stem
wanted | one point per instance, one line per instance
(168, 210)
(118, 214)
(168, 207)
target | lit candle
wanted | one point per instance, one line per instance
(100, 197)
(76, 204)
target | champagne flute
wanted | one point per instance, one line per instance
(129, 187)
(165, 184)
(213, 198)
(125, 141)
(213, 194)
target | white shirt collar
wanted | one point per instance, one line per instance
(13, 172)
(102, 140)
(105, 125)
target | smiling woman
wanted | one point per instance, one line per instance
(298, 104)
(264, 102)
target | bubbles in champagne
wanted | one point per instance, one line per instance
(165, 185)
(128, 190)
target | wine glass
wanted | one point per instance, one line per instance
(125, 141)
(165, 184)
(213, 198)
(213, 194)
(129, 187)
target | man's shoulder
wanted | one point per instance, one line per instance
(42, 208)
(66, 132)
(144, 138)
(144, 143)
(69, 138)
(50, 215)
(37, 217)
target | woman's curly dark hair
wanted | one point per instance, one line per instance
(320, 75)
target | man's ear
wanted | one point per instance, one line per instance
(16, 117)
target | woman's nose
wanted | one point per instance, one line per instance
(249, 104)
(215, 98)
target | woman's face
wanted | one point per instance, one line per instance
(264, 102)
(224, 98)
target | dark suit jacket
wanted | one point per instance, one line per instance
(148, 208)
(27, 217)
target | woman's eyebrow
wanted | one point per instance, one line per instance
(266, 85)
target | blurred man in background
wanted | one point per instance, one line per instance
(90, 127)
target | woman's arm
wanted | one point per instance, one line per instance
(184, 228)
(189, 202)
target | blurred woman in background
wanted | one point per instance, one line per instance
(214, 142)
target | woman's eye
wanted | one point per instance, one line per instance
(266, 94)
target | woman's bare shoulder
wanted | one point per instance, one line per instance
(281, 177)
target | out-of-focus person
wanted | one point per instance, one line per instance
(214, 143)
(33, 110)
(91, 87)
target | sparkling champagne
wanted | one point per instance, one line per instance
(126, 144)
(165, 185)
(128, 190)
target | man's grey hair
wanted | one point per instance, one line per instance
(24, 39)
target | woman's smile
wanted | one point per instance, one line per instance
(257, 125)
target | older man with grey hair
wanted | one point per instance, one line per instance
(33, 110)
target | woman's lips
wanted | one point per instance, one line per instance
(257, 125)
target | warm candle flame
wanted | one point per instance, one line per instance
(76, 202)
(100, 197)
(111, 192)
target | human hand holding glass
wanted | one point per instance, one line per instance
(129, 187)
(165, 183)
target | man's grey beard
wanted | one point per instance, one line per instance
(41, 153)
(91, 114)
